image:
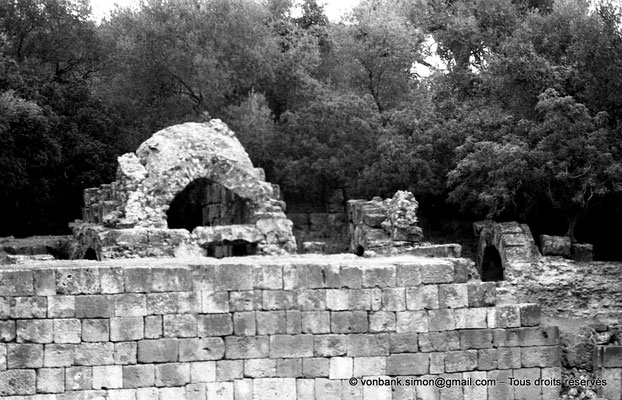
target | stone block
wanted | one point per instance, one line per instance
(78, 281)
(95, 306)
(487, 359)
(168, 279)
(289, 367)
(293, 319)
(24, 356)
(482, 294)
(260, 368)
(214, 325)
(79, 378)
(51, 380)
(460, 361)
(61, 306)
(228, 370)
(153, 326)
(45, 282)
(17, 283)
(613, 376)
(3, 357)
(173, 374)
(379, 277)
(279, 300)
(121, 394)
(215, 302)
(509, 357)
(244, 323)
(315, 322)
(423, 297)
(524, 383)
(378, 392)
(18, 382)
(408, 364)
(268, 277)
(361, 299)
(328, 389)
(126, 328)
(471, 318)
(305, 389)
(504, 316)
(582, 252)
(203, 371)
(551, 386)
(545, 356)
(147, 394)
(369, 366)
(351, 277)
(137, 280)
(315, 367)
(234, 277)
(291, 346)
(453, 296)
(349, 321)
(501, 390)
(439, 341)
(125, 353)
(161, 350)
(442, 272)
(203, 277)
(179, 325)
(476, 339)
(530, 336)
(382, 321)
(330, 345)
(244, 300)
(311, 299)
(94, 354)
(173, 393)
(67, 331)
(59, 355)
(609, 356)
(201, 349)
(107, 377)
(271, 322)
(463, 269)
(29, 307)
(332, 278)
(240, 347)
(393, 299)
(530, 314)
(364, 345)
(95, 330)
(437, 363)
(403, 343)
(175, 303)
(408, 275)
(35, 331)
(274, 389)
(130, 305)
(111, 280)
(555, 245)
(441, 320)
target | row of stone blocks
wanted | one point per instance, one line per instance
(91, 278)
(204, 384)
(608, 366)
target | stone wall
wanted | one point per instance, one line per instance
(329, 231)
(266, 328)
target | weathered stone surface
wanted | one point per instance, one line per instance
(555, 245)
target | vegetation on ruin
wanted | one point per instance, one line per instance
(523, 121)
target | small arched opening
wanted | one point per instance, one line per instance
(235, 248)
(492, 267)
(206, 203)
(90, 254)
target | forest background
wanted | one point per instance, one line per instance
(523, 123)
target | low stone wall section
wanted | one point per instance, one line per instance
(266, 328)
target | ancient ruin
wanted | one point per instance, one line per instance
(190, 189)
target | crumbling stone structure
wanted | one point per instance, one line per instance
(267, 328)
(501, 246)
(389, 227)
(189, 189)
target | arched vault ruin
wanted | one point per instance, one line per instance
(197, 180)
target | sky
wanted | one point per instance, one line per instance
(334, 8)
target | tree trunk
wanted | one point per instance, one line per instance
(572, 223)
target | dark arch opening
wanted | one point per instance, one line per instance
(90, 254)
(206, 203)
(360, 250)
(236, 248)
(492, 267)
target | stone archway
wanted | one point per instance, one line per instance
(206, 203)
(492, 266)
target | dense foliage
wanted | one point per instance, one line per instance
(523, 119)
